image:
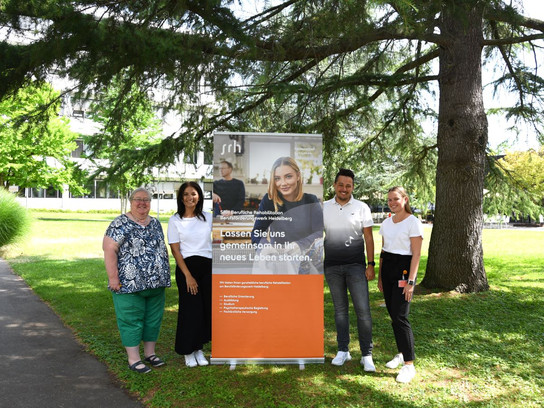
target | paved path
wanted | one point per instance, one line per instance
(41, 363)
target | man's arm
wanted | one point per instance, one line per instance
(369, 243)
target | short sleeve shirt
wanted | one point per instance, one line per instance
(142, 259)
(396, 236)
(344, 239)
(193, 234)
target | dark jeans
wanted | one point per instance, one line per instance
(195, 311)
(393, 266)
(342, 278)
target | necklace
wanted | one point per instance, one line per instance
(141, 221)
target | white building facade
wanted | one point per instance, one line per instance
(100, 196)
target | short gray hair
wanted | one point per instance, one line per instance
(139, 189)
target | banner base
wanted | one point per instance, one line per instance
(238, 361)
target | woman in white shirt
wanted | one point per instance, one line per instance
(402, 236)
(189, 236)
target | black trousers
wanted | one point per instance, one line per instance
(195, 311)
(393, 266)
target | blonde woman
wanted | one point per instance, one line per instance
(402, 236)
(289, 223)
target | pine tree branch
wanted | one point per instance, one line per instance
(406, 67)
(353, 42)
(512, 40)
(510, 16)
(508, 63)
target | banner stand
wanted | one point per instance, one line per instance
(267, 279)
(233, 362)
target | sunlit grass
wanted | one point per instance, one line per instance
(481, 350)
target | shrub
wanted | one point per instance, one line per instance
(14, 219)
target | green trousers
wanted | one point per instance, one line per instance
(139, 315)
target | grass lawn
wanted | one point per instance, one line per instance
(477, 350)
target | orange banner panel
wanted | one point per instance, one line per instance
(267, 316)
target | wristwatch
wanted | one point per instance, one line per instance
(372, 263)
(412, 282)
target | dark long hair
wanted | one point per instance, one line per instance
(198, 209)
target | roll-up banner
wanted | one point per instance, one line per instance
(267, 293)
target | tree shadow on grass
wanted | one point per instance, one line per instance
(74, 219)
(490, 338)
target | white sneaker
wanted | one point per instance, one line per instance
(397, 360)
(406, 373)
(341, 358)
(368, 364)
(190, 360)
(200, 359)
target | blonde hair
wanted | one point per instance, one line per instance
(402, 192)
(273, 193)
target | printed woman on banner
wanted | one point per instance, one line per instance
(288, 228)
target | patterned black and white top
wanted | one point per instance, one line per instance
(142, 259)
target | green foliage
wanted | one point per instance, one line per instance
(473, 350)
(35, 142)
(351, 70)
(14, 219)
(130, 126)
(515, 184)
(358, 72)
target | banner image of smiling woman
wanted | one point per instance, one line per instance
(288, 227)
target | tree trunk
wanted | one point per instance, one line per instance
(124, 202)
(455, 253)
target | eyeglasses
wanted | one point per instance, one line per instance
(142, 200)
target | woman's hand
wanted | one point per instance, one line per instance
(192, 286)
(114, 284)
(292, 249)
(370, 273)
(408, 292)
(380, 285)
(111, 248)
(269, 250)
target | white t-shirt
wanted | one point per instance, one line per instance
(193, 234)
(396, 236)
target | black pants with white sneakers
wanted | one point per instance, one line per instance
(394, 269)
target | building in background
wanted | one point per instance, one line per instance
(100, 195)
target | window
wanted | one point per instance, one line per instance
(52, 193)
(101, 189)
(79, 149)
(37, 192)
(89, 186)
(190, 158)
(207, 190)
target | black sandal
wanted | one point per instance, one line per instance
(144, 370)
(155, 361)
